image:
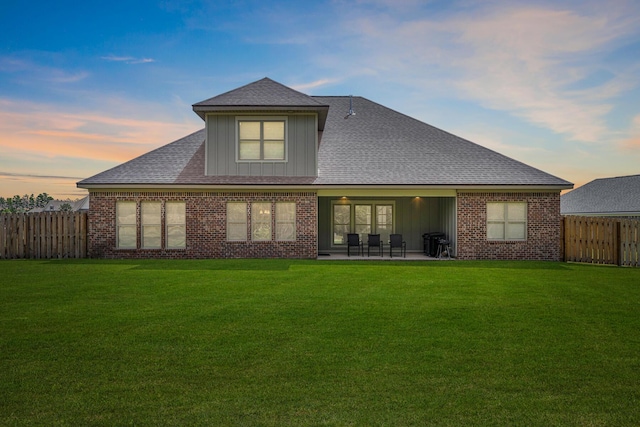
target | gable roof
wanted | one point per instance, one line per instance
(605, 196)
(376, 146)
(264, 94)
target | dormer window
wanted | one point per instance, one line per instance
(261, 139)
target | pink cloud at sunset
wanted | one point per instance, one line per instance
(30, 133)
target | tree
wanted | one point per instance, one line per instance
(66, 207)
(18, 204)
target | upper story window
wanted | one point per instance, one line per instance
(262, 139)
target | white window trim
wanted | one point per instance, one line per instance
(506, 222)
(284, 119)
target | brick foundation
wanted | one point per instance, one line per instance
(205, 226)
(543, 227)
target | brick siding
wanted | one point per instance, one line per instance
(205, 225)
(543, 227)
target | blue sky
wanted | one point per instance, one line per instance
(85, 86)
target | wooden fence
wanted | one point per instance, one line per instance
(43, 235)
(602, 240)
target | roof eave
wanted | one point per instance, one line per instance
(321, 110)
(200, 187)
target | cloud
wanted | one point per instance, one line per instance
(313, 84)
(23, 175)
(42, 129)
(127, 59)
(26, 70)
(535, 62)
(632, 143)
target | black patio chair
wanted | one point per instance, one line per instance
(353, 240)
(374, 241)
(395, 241)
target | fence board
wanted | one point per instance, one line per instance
(602, 240)
(43, 235)
(630, 243)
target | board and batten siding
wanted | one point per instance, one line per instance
(301, 148)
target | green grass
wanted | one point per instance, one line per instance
(278, 342)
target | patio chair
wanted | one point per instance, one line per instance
(374, 241)
(395, 241)
(353, 240)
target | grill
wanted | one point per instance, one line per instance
(430, 243)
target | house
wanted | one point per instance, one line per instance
(80, 205)
(278, 173)
(617, 197)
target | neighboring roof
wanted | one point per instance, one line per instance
(605, 196)
(54, 205)
(375, 146)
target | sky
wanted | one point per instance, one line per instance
(85, 86)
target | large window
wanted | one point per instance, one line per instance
(151, 228)
(285, 221)
(237, 221)
(176, 225)
(126, 225)
(262, 140)
(151, 219)
(262, 220)
(361, 217)
(506, 220)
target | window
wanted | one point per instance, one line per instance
(151, 228)
(384, 221)
(237, 221)
(341, 223)
(126, 225)
(361, 217)
(175, 213)
(262, 140)
(363, 221)
(506, 220)
(285, 221)
(261, 221)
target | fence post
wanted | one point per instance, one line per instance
(617, 247)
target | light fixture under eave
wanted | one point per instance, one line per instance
(351, 111)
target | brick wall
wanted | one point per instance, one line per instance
(543, 227)
(205, 225)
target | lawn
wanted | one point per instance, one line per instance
(279, 342)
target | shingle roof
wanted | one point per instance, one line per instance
(376, 146)
(264, 92)
(381, 146)
(160, 166)
(618, 195)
